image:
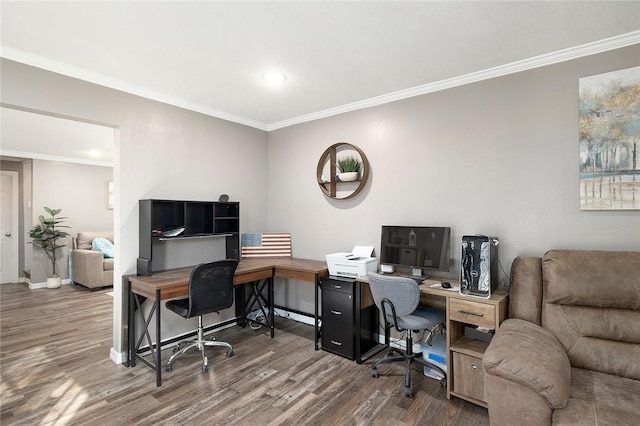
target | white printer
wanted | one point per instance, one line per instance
(353, 264)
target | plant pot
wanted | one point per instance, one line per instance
(54, 282)
(348, 176)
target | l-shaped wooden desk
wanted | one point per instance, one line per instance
(175, 283)
(465, 378)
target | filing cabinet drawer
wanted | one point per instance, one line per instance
(472, 312)
(339, 341)
(332, 284)
(468, 378)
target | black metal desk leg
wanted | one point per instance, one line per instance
(240, 305)
(315, 314)
(358, 318)
(158, 341)
(271, 308)
(132, 328)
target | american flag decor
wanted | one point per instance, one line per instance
(266, 245)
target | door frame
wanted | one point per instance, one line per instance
(14, 224)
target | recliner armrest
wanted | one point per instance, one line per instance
(530, 356)
(87, 266)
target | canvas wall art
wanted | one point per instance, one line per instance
(609, 141)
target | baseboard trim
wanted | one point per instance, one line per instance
(35, 286)
(118, 357)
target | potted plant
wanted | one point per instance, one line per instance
(348, 168)
(46, 235)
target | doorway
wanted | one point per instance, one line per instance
(55, 148)
(9, 235)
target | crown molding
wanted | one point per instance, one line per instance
(37, 156)
(112, 83)
(556, 57)
(600, 46)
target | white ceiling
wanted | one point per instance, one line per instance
(25, 134)
(208, 56)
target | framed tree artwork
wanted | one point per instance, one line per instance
(610, 141)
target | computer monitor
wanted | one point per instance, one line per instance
(418, 249)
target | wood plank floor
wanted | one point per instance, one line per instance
(55, 370)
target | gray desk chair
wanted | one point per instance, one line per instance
(210, 290)
(398, 298)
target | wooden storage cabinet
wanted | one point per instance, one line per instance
(349, 318)
(464, 361)
(469, 377)
(200, 219)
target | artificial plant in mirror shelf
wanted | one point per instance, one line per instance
(45, 236)
(348, 168)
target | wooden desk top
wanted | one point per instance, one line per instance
(175, 283)
(425, 288)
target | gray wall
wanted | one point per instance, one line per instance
(498, 157)
(161, 152)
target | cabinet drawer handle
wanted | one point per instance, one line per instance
(336, 343)
(336, 286)
(470, 313)
(474, 366)
(336, 312)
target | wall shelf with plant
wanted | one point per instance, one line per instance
(340, 165)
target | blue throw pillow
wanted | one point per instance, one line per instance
(103, 245)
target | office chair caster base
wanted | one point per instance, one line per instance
(205, 364)
(230, 353)
(408, 392)
(374, 372)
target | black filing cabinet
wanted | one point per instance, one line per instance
(349, 318)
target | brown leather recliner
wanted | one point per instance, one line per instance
(570, 352)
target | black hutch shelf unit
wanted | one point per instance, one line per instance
(200, 219)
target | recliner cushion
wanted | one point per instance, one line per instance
(603, 279)
(592, 305)
(599, 398)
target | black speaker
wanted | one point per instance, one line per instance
(478, 265)
(144, 267)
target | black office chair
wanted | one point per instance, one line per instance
(210, 290)
(398, 298)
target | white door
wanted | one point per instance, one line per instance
(8, 227)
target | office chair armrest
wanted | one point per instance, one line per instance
(525, 360)
(388, 302)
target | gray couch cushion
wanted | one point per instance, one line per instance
(107, 264)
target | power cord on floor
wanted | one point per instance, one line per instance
(256, 317)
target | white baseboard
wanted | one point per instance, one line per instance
(34, 286)
(296, 317)
(118, 357)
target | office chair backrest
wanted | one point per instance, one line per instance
(211, 287)
(403, 292)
